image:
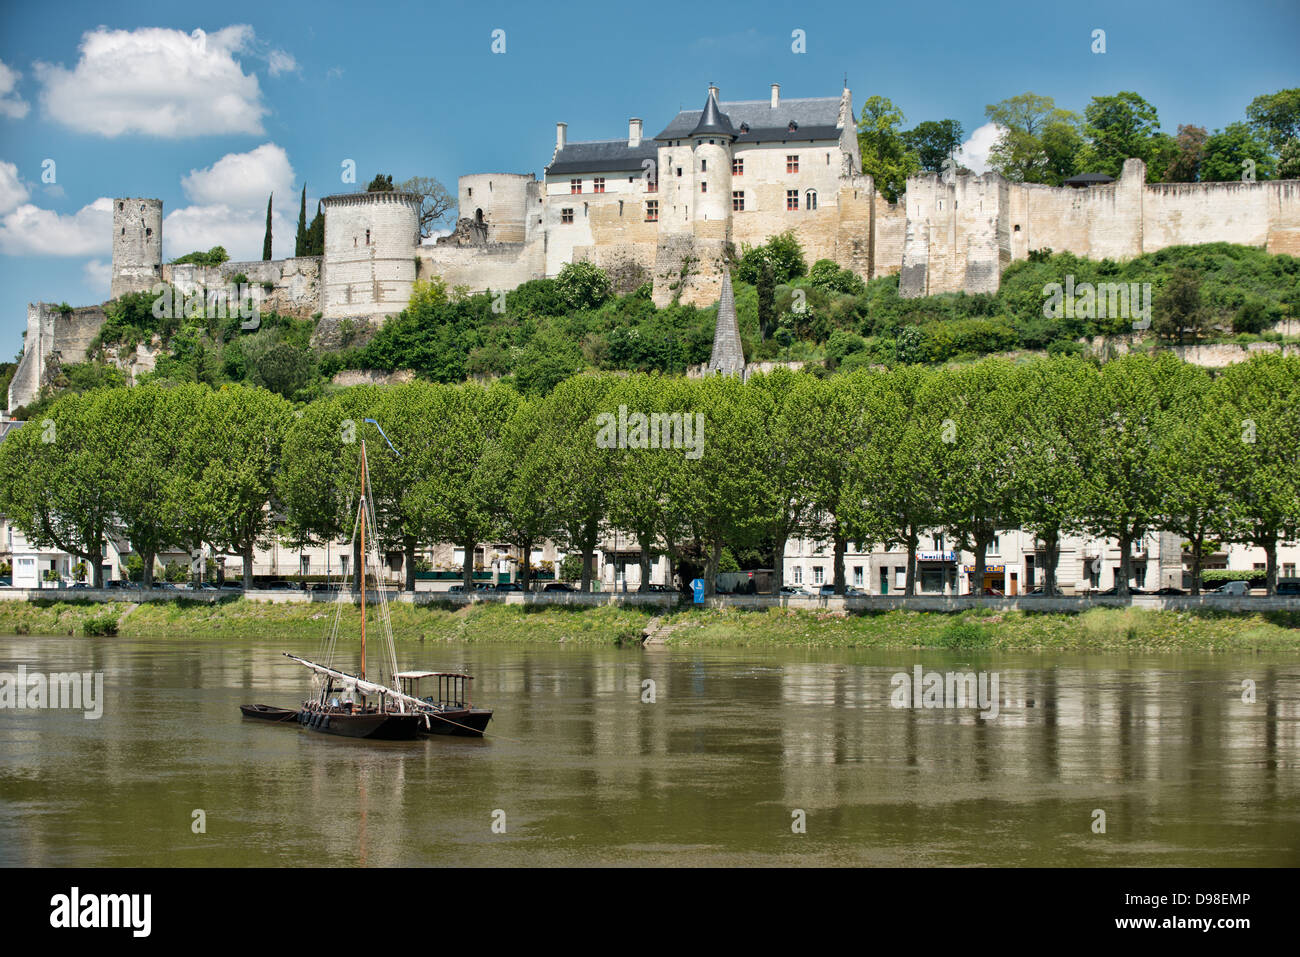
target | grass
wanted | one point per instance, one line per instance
(1097, 629)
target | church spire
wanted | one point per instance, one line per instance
(728, 355)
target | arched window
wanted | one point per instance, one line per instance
(478, 216)
(810, 199)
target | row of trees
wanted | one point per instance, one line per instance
(1043, 143)
(1054, 446)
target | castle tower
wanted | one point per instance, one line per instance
(711, 146)
(728, 354)
(137, 245)
(370, 245)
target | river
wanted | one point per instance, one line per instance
(735, 757)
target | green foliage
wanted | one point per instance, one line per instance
(382, 183)
(886, 155)
(782, 254)
(582, 285)
(213, 257)
(101, 625)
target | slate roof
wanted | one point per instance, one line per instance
(1089, 179)
(602, 156)
(728, 356)
(816, 118)
(713, 121)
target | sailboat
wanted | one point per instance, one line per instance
(354, 705)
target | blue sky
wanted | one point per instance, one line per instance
(127, 101)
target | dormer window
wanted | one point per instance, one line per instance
(792, 127)
(744, 127)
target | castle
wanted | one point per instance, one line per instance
(671, 210)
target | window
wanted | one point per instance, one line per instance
(993, 546)
(792, 164)
(738, 167)
(798, 574)
(738, 200)
(367, 237)
(566, 215)
(819, 575)
(1260, 566)
(652, 210)
(304, 563)
(620, 207)
(704, 186)
(811, 199)
(652, 186)
(598, 184)
(1140, 575)
(1288, 569)
(791, 199)
(857, 575)
(679, 171)
(704, 164)
(575, 186)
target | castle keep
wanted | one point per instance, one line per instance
(669, 210)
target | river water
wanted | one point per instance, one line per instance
(745, 756)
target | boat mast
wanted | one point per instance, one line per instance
(363, 558)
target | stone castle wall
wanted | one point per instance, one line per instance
(54, 339)
(294, 284)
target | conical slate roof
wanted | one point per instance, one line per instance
(728, 355)
(713, 122)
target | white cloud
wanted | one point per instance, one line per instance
(974, 153)
(239, 230)
(12, 191)
(99, 278)
(11, 104)
(32, 231)
(242, 180)
(280, 61)
(156, 81)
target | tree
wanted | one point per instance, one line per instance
(972, 446)
(435, 202)
(1178, 311)
(1118, 127)
(300, 240)
(1235, 153)
(1288, 162)
(894, 473)
(56, 479)
(933, 142)
(382, 183)
(1276, 117)
(1122, 491)
(528, 516)
(241, 476)
(885, 154)
(1038, 143)
(266, 240)
(1189, 148)
(583, 285)
(316, 233)
(1258, 401)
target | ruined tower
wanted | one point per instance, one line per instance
(728, 354)
(137, 244)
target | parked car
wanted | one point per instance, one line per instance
(1169, 590)
(659, 588)
(509, 586)
(1232, 588)
(283, 586)
(558, 586)
(79, 585)
(6, 582)
(1288, 586)
(232, 586)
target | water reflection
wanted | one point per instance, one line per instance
(586, 770)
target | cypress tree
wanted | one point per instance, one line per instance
(266, 243)
(300, 243)
(316, 233)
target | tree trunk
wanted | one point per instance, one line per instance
(1197, 548)
(982, 543)
(408, 559)
(526, 566)
(913, 540)
(146, 577)
(778, 563)
(711, 564)
(467, 568)
(588, 563)
(1052, 553)
(1125, 563)
(97, 564)
(645, 569)
(841, 546)
(1270, 564)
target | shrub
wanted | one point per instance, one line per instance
(100, 626)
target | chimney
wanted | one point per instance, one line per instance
(561, 130)
(776, 95)
(633, 133)
(713, 91)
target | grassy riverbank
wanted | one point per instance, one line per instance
(1097, 629)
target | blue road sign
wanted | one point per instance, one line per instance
(698, 586)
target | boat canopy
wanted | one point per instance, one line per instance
(417, 675)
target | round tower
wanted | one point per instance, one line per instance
(370, 244)
(137, 245)
(711, 147)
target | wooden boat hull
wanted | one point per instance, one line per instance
(469, 722)
(377, 726)
(266, 712)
